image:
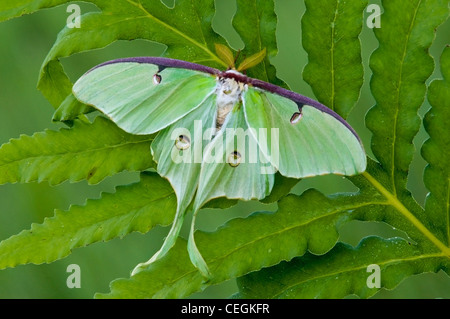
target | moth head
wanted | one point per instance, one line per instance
(229, 90)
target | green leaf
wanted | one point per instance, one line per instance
(85, 151)
(70, 109)
(185, 29)
(407, 32)
(12, 9)
(136, 207)
(305, 225)
(256, 21)
(221, 203)
(342, 271)
(405, 37)
(281, 187)
(402, 214)
(330, 37)
(172, 276)
(436, 151)
(301, 223)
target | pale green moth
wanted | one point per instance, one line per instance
(221, 133)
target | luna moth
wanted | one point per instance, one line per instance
(219, 133)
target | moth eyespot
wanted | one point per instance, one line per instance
(157, 79)
(296, 117)
(182, 142)
(234, 159)
(226, 92)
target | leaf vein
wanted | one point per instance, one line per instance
(390, 261)
(345, 208)
(397, 103)
(99, 149)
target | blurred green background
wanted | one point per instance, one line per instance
(24, 43)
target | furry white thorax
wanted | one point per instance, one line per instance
(228, 92)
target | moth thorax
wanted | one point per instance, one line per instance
(228, 94)
(228, 91)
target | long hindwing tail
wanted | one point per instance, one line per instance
(178, 151)
(232, 167)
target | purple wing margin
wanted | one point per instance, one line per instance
(163, 63)
(174, 63)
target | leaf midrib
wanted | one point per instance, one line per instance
(78, 243)
(332, 51)
(258, 32)
(392, 197)
(299, 225)
(400, 77)
(217, 259)
(133, 213)
(82, 151)
(395, 202)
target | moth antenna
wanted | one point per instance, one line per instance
(237, 56)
